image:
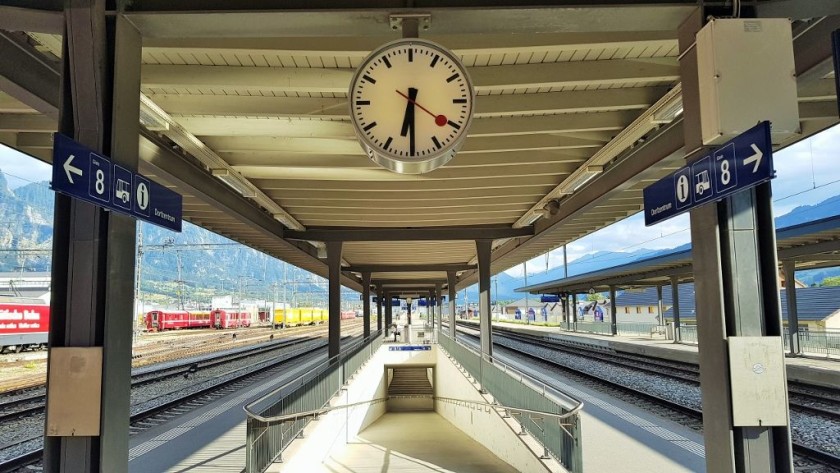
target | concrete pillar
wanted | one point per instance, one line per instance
(736, 283)
(486, 320)
(94, 250)
(675, 298)
(366, 303)
(613, 318)
(450, 281)
(334, 263)
(793, 315)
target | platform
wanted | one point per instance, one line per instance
(404, 442)
(819, 371)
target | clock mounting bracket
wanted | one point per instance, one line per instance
(410, 23)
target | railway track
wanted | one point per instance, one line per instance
(694, 414)
(34, 404)
(148, 417)
(803, 398)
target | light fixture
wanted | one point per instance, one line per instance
(236, 181)
(670, 110)
(578, 179)
(533, 218)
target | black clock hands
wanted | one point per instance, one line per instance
(408, 120)
(440, 120)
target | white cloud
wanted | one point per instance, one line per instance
(21, 169)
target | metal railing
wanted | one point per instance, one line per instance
(816, 342)
(640, 328)
(511, 387)
(266, 441)
(602, 328)
(687, 334)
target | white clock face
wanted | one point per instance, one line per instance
(411, 103)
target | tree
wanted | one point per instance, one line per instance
(831, 281)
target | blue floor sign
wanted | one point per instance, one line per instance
(741, 163)
(86, 175)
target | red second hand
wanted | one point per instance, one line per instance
(440, 120)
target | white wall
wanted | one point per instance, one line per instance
(486, 428)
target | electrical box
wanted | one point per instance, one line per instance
(757, 379)
(746, 75)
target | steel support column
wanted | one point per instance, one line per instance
(485, 320)
(93, 250)
(792, 313)
(366, 304)
(613, 321)
(736, 293)
(388, 313)
(452, 280)
(379, 302)
(660, 306)
(574, 312)
(675, 298)
(439, 310)
(430, 309)
(334, 263)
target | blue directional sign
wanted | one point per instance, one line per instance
(743, 162)
(549, 298)
(410, 348)
(86, 175)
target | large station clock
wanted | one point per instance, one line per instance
(411, 103)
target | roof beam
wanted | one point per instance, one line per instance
(485, 79)
(426, 185)
(576, 101)
(343, 130)
(384, 175)
(26, 123)
(28, 77)
(31, 20)
(475, 232)
(155, 19)
(402, 268)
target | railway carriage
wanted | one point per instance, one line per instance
(299, 316)
(159, 320)
(229, 318)
(24, 324)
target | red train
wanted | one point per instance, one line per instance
(348, 314)
(220, 318)
(159, 320)
(24, 324)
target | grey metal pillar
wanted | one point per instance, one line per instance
(485, 320)
(736, 294)
(439, 304)
(675, 298)
(366, 303)
(388, 313)
(379, 302)
(94, 250)
(574, 312)
(792, 314)
(450, 281)
(660, 306)
(613, 321)
(334, 263)
(430, 309)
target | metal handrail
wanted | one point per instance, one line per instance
(316, 369)
(462, 402)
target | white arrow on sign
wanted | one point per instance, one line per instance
(756, 158)
(68, 168)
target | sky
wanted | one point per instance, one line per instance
(806, 173)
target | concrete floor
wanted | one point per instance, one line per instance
(406, 443)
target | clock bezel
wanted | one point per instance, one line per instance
(408, 165)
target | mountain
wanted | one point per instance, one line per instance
(24, 223)
(212, 265)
